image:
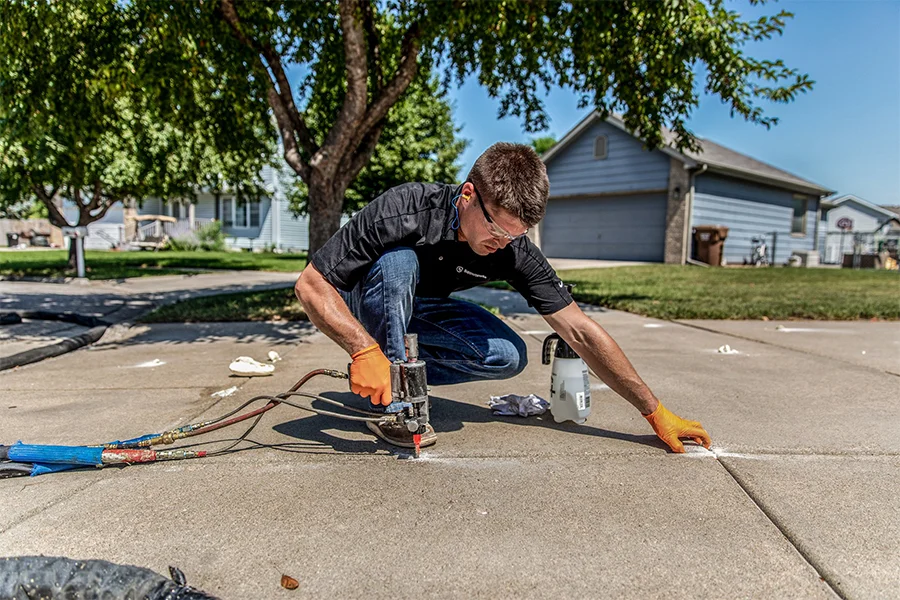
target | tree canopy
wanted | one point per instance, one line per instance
(640, 59)
(543, 143)
(100, 101)
(84, 85)
(419, 143)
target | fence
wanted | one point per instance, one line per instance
(858, 250)
(155, 230)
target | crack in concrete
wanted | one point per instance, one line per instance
(28, 515)
(824, 573)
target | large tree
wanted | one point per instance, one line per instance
(418, 143)
(102, 102)
(639, 58)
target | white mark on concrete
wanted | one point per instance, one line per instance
(274, 356)
(537, 332)
(726, 454)
(698, 452)
(863, 351)
(224, 393)
(653, 325)
(692, 451)
(150, 364)
(784, 329)
(726, 349)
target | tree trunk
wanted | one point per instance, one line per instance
(73, 261)
(325, 208)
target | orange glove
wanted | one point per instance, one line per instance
(370, 375)
(669, 427)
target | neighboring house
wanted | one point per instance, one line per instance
(265, 224)
(612, 199)
(847, 215)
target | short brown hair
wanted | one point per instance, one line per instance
(515, 177)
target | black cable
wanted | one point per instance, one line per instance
(97, 329)
(281, 399)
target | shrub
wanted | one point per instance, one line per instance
(210, 237)
(183, 243)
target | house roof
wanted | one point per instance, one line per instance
(838, 200)
(716, 157)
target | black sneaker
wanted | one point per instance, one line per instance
(397, 434)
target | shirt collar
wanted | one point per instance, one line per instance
(450, 234)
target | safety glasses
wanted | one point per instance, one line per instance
(494, 229)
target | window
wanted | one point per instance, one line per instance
(798, 222)
(600, 147)
(227, 212)
(239, 214)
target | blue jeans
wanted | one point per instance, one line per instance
(459, 341)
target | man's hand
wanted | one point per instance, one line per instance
(370, 375)
(669, 427)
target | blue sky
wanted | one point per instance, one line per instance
(844, 134)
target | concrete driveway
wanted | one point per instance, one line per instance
(799, 498)
(562, 264)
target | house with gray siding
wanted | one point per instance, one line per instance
(260, 225)
(612, 199)
(844, 216)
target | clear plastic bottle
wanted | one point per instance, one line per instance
(570, 386)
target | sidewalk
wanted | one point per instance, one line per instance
(798, 499)
(114, 301)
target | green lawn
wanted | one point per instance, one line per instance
(118, 265)
(269, 305)
(272, 305)
(676, 292)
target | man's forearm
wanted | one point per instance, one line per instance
(328, 311)
(604, 356)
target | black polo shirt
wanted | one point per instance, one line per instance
(420, 216)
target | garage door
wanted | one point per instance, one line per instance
(608, 228)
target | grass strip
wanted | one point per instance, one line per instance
(687, 292)
(101, 264)
(267, 305)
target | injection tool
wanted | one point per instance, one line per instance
(409, 392)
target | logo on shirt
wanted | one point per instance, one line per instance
(460, 269)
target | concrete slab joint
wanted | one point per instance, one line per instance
(676, 212)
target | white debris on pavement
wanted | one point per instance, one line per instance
(248, 367)
(274, 356)
(224, 393)
(784, 329)
(150, 363)
(653, 325)
(726, 349)
(523, 406)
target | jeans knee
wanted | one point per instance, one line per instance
(399, 270)
(508, 358)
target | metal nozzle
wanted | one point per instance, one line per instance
(411, 341)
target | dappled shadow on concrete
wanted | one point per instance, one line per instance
(245, 332)
(107, 303)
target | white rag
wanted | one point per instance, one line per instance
(247, 367)
(523, 406)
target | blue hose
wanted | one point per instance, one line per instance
(55, 455)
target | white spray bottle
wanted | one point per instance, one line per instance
(570, 386)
